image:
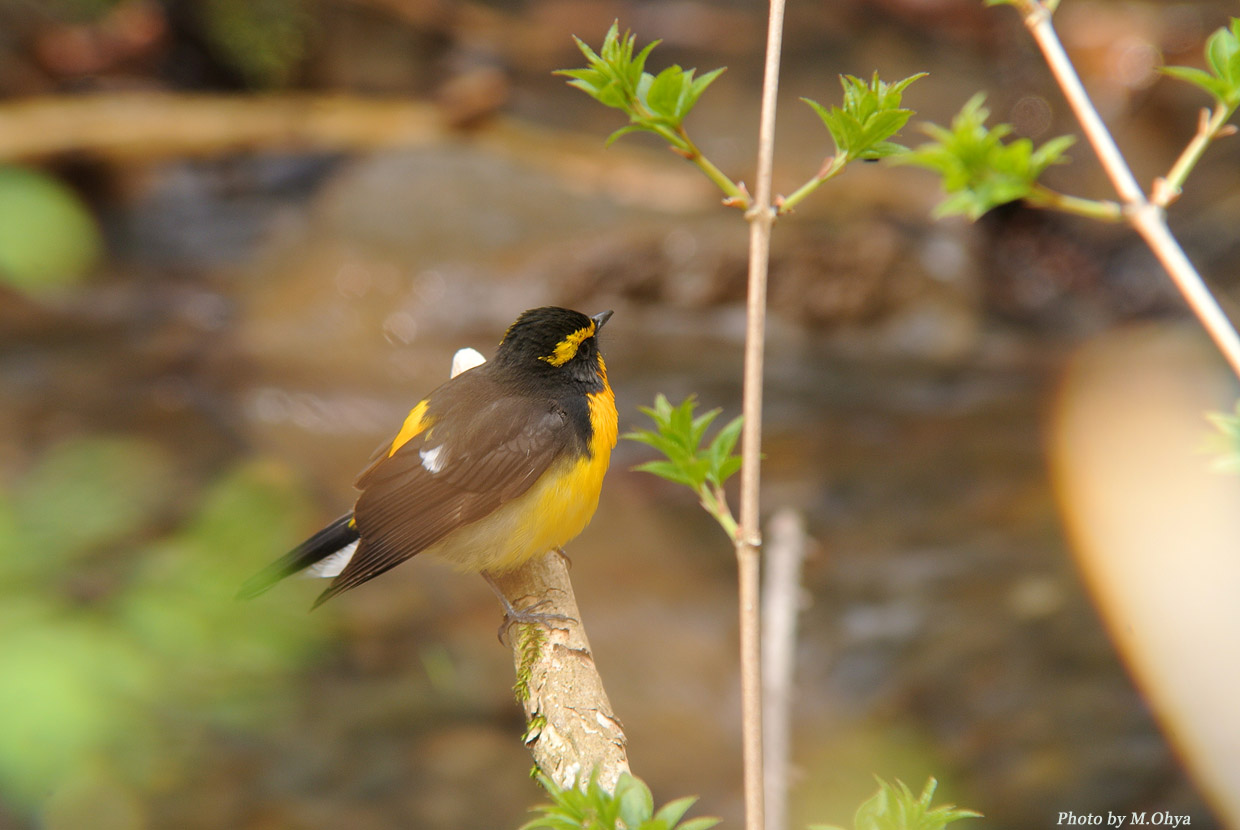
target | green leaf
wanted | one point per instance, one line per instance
(699, 425)
(1215, 87)
(1222, 55)
(703, 823)
(665, 91)
(981, 171)
(667, 470)
(885, 149)
(637, 66)
(594, 808)
(832, 122)
(679, 436)
(681, 421)
(1221, 49)
(654, 103)
(673, 811)
(1052, 152)
(623, 131)
(894, 807)
(634, 799)
(720, 450)
(590, 55)
(697, 87)
(897, 88)
(870, 115)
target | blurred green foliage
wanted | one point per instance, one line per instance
(79, 10)
(263, 40)
(119, 644)
(894, 807)
(1224, 442)
(48, 238)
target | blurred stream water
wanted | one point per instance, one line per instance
(945, 633)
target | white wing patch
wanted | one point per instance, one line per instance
(332, 565)
(466, 359)
(434, 458)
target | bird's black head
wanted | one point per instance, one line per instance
(558, 342)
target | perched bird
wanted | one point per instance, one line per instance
(502, 463)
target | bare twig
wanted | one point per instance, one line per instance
(1145, 216)
(1211, 125)
(748, 537)
(781, 602)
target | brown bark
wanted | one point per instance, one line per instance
(571, 728)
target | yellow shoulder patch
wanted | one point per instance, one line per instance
(566, 349)
(414, 425)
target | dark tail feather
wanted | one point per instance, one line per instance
(321, 545)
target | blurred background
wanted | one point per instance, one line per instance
(239, 238)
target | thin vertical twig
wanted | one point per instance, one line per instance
(781, 603)
(748, 537)
(1146, 217)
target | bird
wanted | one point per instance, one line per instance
(502, 463)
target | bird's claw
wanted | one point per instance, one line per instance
(527, 616)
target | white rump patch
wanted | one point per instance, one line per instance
(434, 458)
(332, 565)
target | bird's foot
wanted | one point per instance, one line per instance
(524, 616)
(527, 616)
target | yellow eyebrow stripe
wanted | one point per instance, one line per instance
(414, 424)
(566, 349)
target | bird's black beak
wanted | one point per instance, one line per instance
(601, 318)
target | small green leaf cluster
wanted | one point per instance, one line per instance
(678, 435)
(631, 806)
(979, 170)
(870, 115)
(894, 807)
(1222, 82)
(617, 78)
(1225, 442)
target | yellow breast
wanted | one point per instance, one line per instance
(552, 513)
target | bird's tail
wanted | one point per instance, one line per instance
(335, 538)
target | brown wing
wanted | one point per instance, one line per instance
(469, 462)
